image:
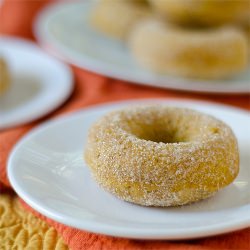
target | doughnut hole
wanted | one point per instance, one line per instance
(171, 128)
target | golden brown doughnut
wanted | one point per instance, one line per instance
(161, 156)
(116, 18)
(167, 49)
(4, 76)
(201, 12)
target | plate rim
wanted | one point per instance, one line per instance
(61, 51)
(54, 103)
(118, 231)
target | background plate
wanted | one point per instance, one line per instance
(91, 50)
(47, 170)
(39, 82)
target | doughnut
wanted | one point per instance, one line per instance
(4, 76)
(201, 12)
(157, 155)
(244, 19)
(198, 53)
(247, 32)
(116, 18)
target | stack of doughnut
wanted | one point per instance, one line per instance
(199, 39)
(4, 76)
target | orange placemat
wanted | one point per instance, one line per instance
(16, 19)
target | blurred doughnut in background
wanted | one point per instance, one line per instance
(201, 12)
(214, 53)
(4, 76)
(116, 18)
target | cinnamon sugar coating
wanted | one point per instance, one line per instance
(161, 156)
(4, 76)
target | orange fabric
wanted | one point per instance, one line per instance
(16, 16)
(16, 19)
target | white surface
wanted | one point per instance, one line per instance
(65, 31)
(47, 170)
(39, 83)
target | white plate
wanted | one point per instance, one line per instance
(39, 83)
(64, 30)
(47, 170)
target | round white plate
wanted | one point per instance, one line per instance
(47, 170)
(39, 83)
(91, 50)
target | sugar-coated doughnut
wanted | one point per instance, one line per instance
(213, 53)
(247, 31)
(4, 76)
(161, 156)
(116, 18)
(201, 12)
